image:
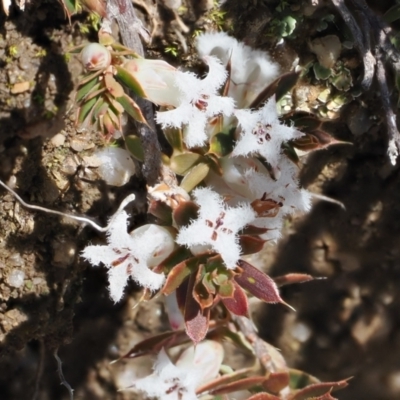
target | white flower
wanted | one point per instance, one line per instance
(251, 70)
(168, 382)
(198, 101)
(131, 255)
(262, 133)
(216, 227)
(195, 366)
(247, 180)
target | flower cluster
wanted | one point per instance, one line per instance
(227, 185)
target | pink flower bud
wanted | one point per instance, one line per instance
(95, 56)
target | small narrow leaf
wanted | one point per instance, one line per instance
(318, 389)
(178, 274)
(289, 279)
(263, 396)
(155, 343)
(241, 384)
(174, 138)
(279, 87)
(194, 176)
(132, 108)
(113, 87)
(181, 163)
(277, 381)
(130, 81)
(92, 85)
(85, 110)
(176, 257)
(134, 146)
(257, 283)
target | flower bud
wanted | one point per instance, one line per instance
(95, 56)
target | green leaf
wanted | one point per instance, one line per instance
(134, 146)
(174, 138)
(393, 14)
(223, 143)
(86, 88)
(194, 176)
(85, 110)
(300, 379)
(131, 108)
(181, 163)
(130, 81)
(321, 72)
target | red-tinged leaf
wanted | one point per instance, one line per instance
(130, 81)
(196, 319)
(69, 7)
(266, 208)
(223, 380)
(241, 384)
(326, 396)
(238, 303)
(181, 293)
(257, 283)
(178, 274)
(306, 123)
(155, 343)
(253, 230)
(185, 213)
(290, 279)
(263, 396)
(97, 6)
(279, 87)
(300, 379)
(113, 87)
(318, 389)
(277, 381)
(251, 244)
(89, 77)
(131, 108)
